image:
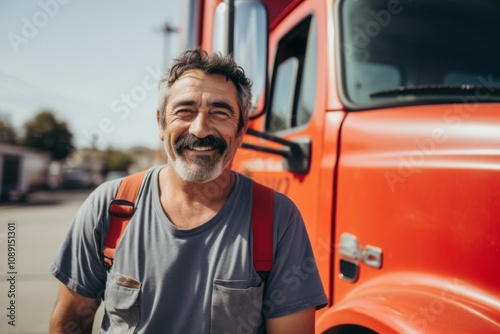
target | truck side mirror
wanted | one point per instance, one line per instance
(249, 37)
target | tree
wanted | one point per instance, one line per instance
(46, 133)
(8, 133)
(117, 160)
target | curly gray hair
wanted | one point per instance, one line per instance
(213, 63)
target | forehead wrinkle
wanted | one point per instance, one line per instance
(191, 89)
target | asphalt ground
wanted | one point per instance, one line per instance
(30, 235)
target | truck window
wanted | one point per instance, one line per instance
(283, 97)
(413, 52)
(293, 87)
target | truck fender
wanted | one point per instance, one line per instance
(414, 303)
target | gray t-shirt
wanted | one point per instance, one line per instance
(200, 280)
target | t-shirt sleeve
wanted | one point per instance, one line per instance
(78, 263)
(293, 283)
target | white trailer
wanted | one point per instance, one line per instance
(21, 170)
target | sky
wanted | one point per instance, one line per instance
(95, 64)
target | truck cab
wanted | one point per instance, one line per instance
(381, 120)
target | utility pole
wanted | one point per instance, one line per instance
(167, 30)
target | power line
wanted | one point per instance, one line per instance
(46, 94)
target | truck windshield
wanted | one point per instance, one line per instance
(400, 52)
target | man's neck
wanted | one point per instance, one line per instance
(190, 204)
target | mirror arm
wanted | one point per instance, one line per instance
(270, 137)
(283, 153)
(297, 155)
(229, 27)
(267, 136)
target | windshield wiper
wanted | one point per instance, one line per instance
(438, 90)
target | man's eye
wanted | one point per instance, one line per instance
(184, 111)
(220, 113)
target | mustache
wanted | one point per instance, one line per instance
(190, 141)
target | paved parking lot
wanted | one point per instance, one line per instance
(34, 231)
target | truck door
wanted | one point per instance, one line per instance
(296, 112)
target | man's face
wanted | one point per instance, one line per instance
(201, 126)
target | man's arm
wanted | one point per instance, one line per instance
(301, 322)
(73, 313)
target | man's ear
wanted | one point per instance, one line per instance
(161, 131)
(241, 134)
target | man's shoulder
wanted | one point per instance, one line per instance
(107, 190)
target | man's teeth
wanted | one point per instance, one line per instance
(201, 148)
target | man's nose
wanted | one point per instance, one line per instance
(201, 127)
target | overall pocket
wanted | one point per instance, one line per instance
(120, 301)
(236, 306)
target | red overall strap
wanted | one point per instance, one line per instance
(123, 206)
(121, 210)
(262, 227)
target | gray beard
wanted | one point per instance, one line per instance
(203, 169)
(200, 172)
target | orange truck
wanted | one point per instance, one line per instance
(380, 119)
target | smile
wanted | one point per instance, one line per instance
(207, 144)
(201, 148)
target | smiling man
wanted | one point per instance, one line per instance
(185, 262)
(200, 128)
